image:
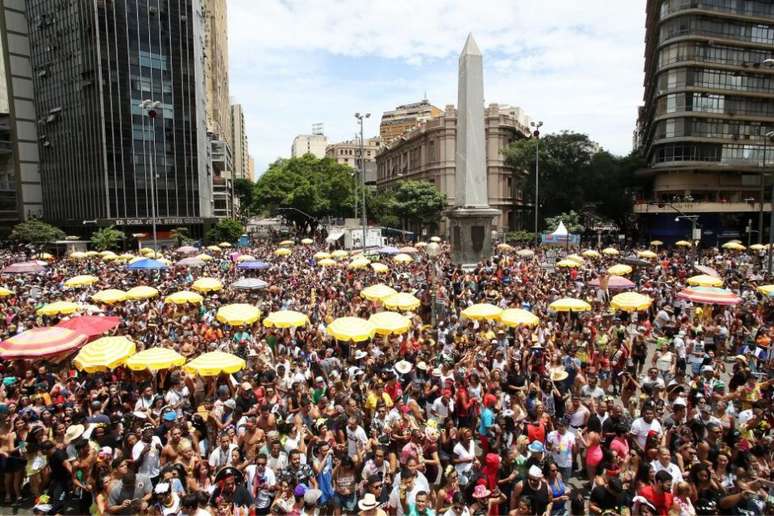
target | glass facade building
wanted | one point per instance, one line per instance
(93, 64)
(708, 105)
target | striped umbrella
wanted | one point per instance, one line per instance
(41, 342)
(709, 296)
(104, 354)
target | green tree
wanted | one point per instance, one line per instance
(107, 238)
(180, 236)
(575, 174)
(572, 220)
(245, 192)
(419, 203)
(312, 187)
(35, 231)
(226, 230)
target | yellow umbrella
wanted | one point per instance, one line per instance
(757, 247)
(359, 263)
(307, 241)
(590, 253)
(518, 317)
(619, 269)
(126, 256)
(78, 255)
(647, 254)
(107, 253)
(92, 253)
(569, 304)
(377, 292)
(322, 255)
(610, 251)
(525, 253)
(401, 301)
(103, 354)
(766, 290)
(683, 243)
(155, 359)
(81, 281)
(136, 259)
(224, 244)
(379, 268)
(203, 257)
(44, 256)
(165, 261)
(286, 243)
(215, 363)
(705, 280)
(575, 258)
(214, 248)
(109, 296)
(326, 262)
(435, 239)
(656, 243)
(245, 258)
(283, 252)
(504, 247)
(351, 329)
(482, 311)
(286, 319)
(390, 323)
(630, 302)
(141, 292)
(59, 307)
(238, 314)
(4, 292)
(734, 246)
(205, 285)
(184, 296)
(567, 263)
(402, 258)
(339, 253)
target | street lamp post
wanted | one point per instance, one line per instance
(536, 134)
(433, 250)
(360, 118)
(694, 219)
(151, 108)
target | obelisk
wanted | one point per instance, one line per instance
(470, 219)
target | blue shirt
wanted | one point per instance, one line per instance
(486, 421)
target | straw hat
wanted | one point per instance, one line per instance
(559, 374)
(73, 432)
(403, 367)
(368, 502)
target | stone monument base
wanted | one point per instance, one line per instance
(470, 233)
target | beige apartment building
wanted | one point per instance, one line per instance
(239, 149)
(216, 69)
(348, 153)
(428, 153)
(404, 118)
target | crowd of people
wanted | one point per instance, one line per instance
(663, 411)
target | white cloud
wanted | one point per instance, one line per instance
(575, 65)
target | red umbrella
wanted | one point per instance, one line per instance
(23, 267)
(709, 296)
(41, 342)
(90, 325)
(614, 283)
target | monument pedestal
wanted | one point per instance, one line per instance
(470, 232)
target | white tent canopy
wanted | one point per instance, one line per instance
(560, 231)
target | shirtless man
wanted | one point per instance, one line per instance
(266, 420)
(175, 444)
(251, 438)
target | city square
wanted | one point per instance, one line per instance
(475, 311)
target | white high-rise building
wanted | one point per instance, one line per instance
(314, 144)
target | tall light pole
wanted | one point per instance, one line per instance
(151, 107)
(694, 219)
(362, 175)
(536, 134)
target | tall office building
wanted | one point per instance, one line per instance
(20, 191)
(216, 68)
(708, 105)
(239, 142)
(251, 168)
(348, 153)
(314, 144)
(102, 156)
(404, 118)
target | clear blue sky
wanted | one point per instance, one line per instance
(574, 65)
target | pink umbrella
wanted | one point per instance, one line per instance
(614, 283)
(22, 268)
(90, 325)
(187, 249)
(190, 262)
(709, 296)
(709, 271)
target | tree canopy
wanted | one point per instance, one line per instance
(107, 238)
(226, 230)
(575, 174)
(35, 231)
(419, 202)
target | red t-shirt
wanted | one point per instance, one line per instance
(662, 502)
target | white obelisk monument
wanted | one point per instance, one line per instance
(470, 219)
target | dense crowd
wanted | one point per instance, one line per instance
(661, 411)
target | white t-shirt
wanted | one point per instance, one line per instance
(442, 411)
(219, 458)
(150, 464)
(462, 453)
(561, 447)
(354, 437)
(262, 495)
(640, 430)
(672, 469)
